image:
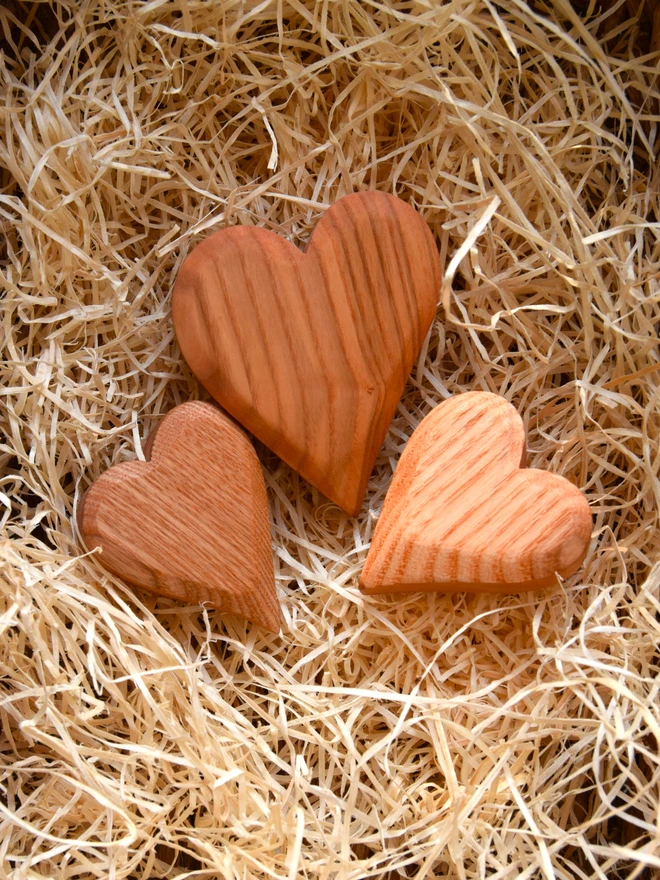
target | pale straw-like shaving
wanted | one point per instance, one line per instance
(426, 736)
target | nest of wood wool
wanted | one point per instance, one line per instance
(462, 736)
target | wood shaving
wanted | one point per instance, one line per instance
(423, 736)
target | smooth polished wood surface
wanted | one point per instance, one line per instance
(463, 514)
(310, 352)
(192, 522)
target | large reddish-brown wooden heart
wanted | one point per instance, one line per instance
(191, 522)
(462, 514)
(310, 351)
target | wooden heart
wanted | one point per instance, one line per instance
(311, 351)
(191, 522)
(463, 514)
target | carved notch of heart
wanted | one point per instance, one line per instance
(462, 514)
(192, 522)
(310, 351)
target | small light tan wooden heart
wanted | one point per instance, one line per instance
(463, 514)
(191, 522)
(311, 351)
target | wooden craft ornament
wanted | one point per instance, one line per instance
(310, 351)
(462, 513)
(192, 521)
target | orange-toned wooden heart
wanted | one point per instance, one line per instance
(191, 522)
(462, 514)
(311, 351)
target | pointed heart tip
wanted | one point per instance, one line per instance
(349, 503)
(257, 603)
(351, 498)
(270, 622)
(352, 509)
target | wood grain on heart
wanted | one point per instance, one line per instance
(462, 513)
(192, 521)
(310, 351)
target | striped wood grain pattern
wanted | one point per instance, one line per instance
(192, 521)
(310, 351)
(462, 514)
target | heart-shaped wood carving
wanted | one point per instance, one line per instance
(310, 351)
(462, 513)
(191, 522)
